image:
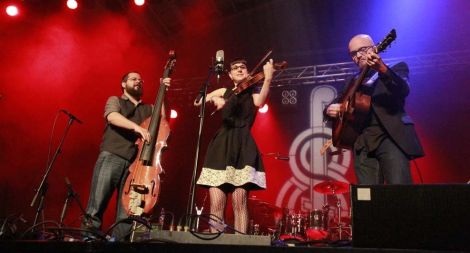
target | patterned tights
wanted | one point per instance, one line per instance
(218, 200)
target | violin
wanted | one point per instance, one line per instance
(251, 80)
(142, 187)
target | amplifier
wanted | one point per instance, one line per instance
(411, 216)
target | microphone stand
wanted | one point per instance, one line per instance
(71, 194)
(189, 208)
(42, 189)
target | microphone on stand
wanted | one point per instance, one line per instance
(199, 96)
(218, 69)
(68, 184)
(70, 193)
(71, 115)
(283, 158)
(219, 63)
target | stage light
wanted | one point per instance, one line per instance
(264, 109)
(12, 10)
(173, 114)
(72, 4)
(139, 2)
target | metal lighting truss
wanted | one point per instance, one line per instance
(338, 72)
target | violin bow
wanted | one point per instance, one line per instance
(260, 62)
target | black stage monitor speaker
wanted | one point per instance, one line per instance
(433, 217)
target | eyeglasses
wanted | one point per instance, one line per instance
(135, 79)
(361, 50)
(236, 67)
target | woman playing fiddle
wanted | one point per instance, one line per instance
(233, 163)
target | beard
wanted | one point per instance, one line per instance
(136, 92)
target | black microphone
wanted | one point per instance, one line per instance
(219, 63)
(199, 95)
(284, 158)
(71, 115)
(69, 185)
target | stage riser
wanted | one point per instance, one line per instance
(187, 237)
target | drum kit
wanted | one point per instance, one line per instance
(325, 224)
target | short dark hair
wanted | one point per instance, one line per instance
(237, 60)
(126, 76)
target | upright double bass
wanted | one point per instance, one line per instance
(142, 187)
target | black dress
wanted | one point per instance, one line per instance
(232, 158)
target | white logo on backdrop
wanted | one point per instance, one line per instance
(307, 165)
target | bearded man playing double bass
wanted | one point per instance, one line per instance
(123, 116)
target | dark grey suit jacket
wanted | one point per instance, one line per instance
(388, 102)
(388, 94)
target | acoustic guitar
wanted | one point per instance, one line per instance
(355, 105)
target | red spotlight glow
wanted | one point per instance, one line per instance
(173, 114)
(139, 2)
(72, 4)
(263, 109)
(12, 10)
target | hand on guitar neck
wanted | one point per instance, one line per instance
(375, 62)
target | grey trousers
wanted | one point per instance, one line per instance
(109, 174)
(386, 164)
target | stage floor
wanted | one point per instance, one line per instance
(69, 240)
(151, 247)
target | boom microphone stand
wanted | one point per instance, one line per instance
(42, 189)
(203, 93)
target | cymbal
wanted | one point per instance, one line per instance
(331, 187)
(258, 203)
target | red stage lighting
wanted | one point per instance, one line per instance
(12, 10)
(72, 4)
(139, 2)
(264, 109)
(173, 114)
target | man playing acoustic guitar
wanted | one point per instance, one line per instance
(387, 141)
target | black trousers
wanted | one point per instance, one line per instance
(387, 164)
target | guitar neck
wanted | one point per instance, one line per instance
(356, 83)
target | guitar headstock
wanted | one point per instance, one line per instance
(170, 63)
(391, 36)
